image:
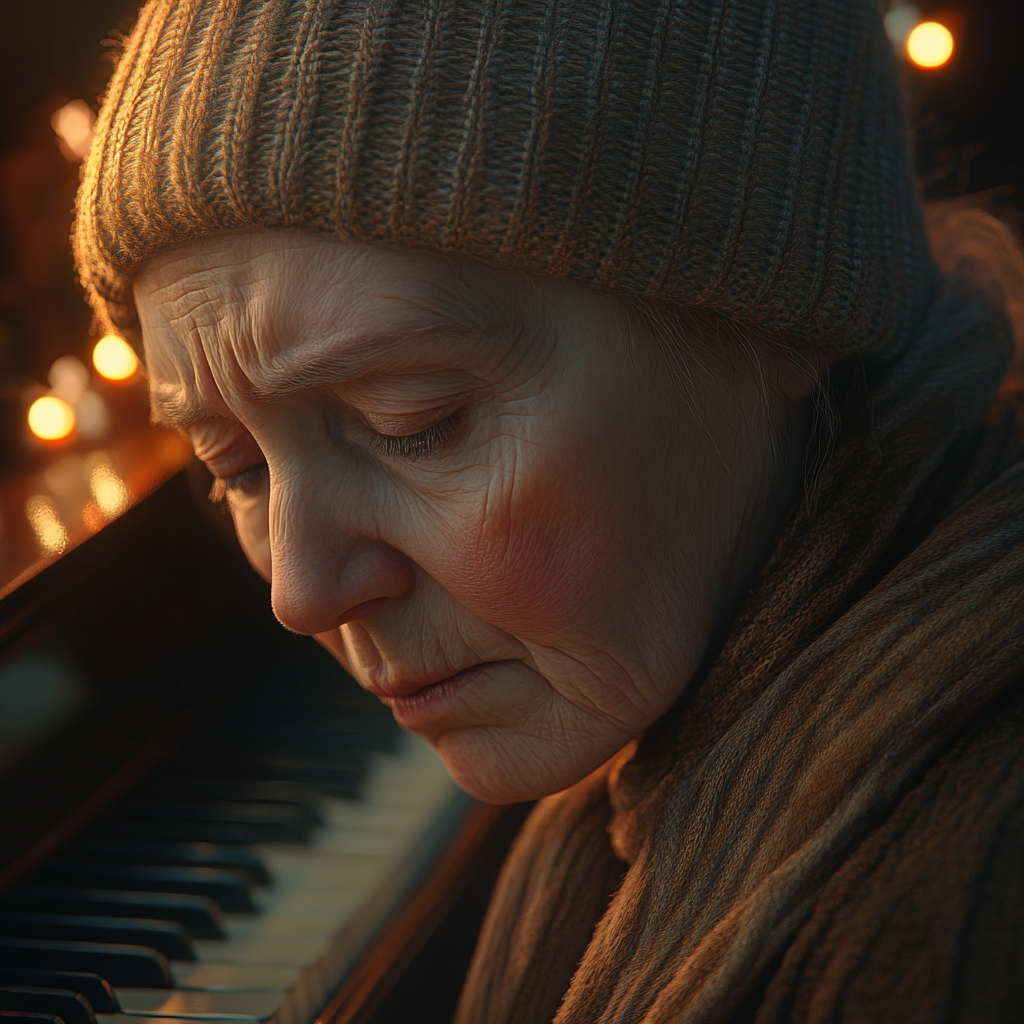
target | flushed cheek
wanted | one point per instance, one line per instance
(531, 568)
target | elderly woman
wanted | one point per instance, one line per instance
(579, 376)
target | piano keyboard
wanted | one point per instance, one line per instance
(242, 880)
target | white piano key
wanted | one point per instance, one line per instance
(154, 1002)
(327, 901)
(124, 1018)
(232, 978)
(270, 952)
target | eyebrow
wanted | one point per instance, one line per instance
(178, 408)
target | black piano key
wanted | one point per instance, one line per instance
(273, 822)
(166, 936)
(226, 888)
(256, 748)
(200, 915)
(91, 987)
(347, 741)
(202, 855)
(69, 1006)
(216, 832)
(213, 787)
(128, 966)
(12, 1017)
(338, 778)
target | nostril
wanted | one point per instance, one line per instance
(314, 595)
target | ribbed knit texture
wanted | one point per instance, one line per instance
(746, 156)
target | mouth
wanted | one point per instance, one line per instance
(414, 701)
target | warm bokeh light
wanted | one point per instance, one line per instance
(114, 358)
(93, 518)
(51, 418)
(72, 125)
(92, 416)
(930, 45)
(46, 524)
(899, 23)
(109, 490)
(68, 379)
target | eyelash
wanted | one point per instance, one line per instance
(246, 482)
(415, 446)
(412, 446)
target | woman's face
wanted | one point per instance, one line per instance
(480, 491)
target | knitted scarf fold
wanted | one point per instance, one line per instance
(890, 613)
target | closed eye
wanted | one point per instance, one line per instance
(420, 445)
(246, 484)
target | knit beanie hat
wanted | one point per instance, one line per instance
(744, 156)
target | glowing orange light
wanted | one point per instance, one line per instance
(93, 518)
(114, 358)
(50, 418)
(46, 524)
(930, 45)
(73, 127)
(109, 490)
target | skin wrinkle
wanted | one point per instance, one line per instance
(515, 544)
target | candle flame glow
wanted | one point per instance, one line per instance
(51, 418)
(114, 358)
(930, 45)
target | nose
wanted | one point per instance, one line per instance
(323, 572)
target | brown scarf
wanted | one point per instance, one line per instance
(887, 621)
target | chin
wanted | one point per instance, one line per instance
(497, 767)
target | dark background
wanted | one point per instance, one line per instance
(966, 124)
(967, 119)
(51, 51)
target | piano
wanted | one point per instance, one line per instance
(202, 817)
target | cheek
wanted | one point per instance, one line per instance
(534, 564)
(252, 527)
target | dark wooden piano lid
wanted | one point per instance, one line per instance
(112, 649)
(52, 508)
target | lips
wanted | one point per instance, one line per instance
(416, 703)
(408, 687)
(402, 689)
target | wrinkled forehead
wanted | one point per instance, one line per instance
(233, 314)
